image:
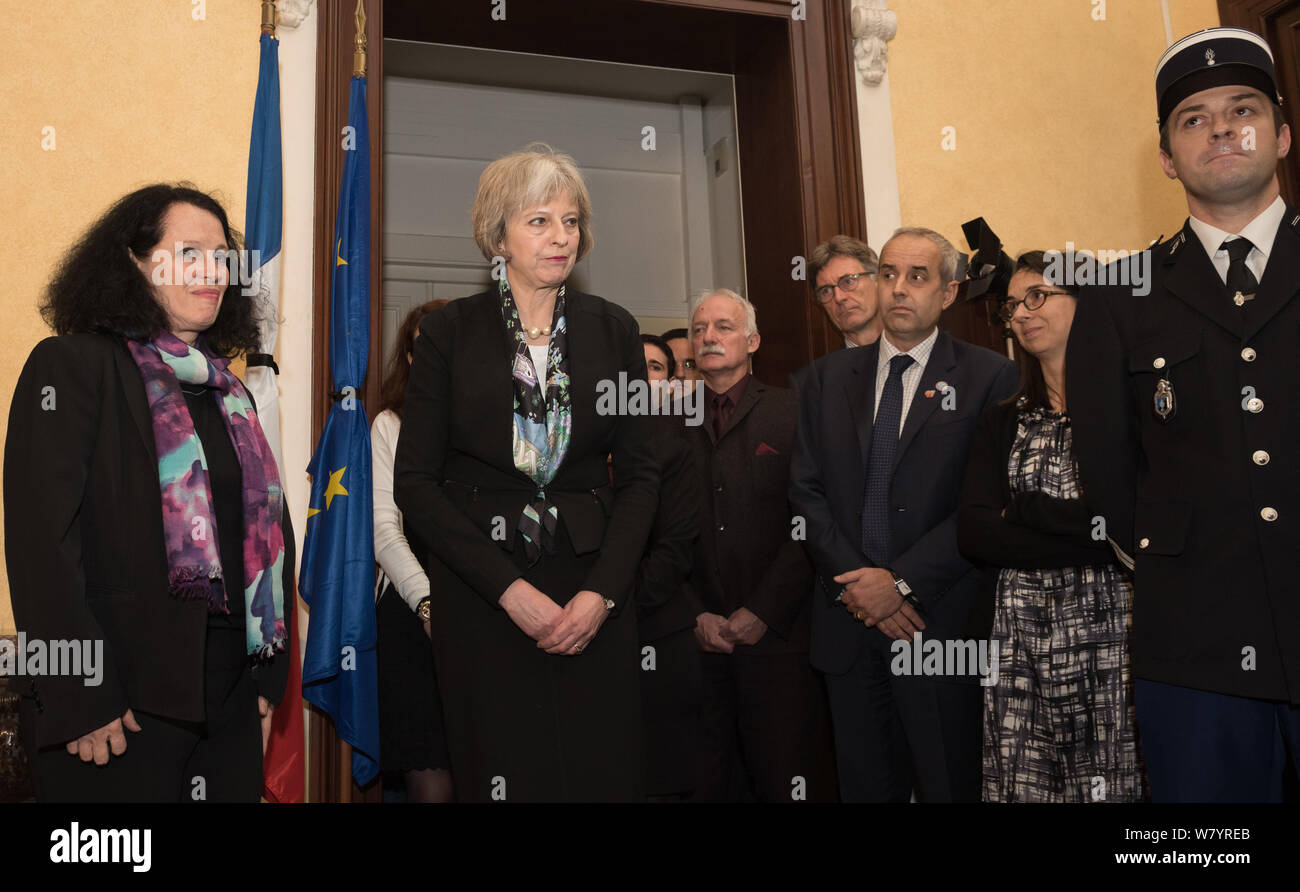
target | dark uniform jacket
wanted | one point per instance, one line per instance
(1205, 503)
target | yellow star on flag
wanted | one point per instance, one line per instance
(335, 487)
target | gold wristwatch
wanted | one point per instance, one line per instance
(422, 610)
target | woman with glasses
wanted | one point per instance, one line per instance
(1059, 724)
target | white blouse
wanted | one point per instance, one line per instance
(392, 552)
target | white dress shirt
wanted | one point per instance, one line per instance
(911, 375)
(1261, 231)
(392, 553)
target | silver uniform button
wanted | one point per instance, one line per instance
(1255, 404)
(1143, 542)
(1248, 354)
(1260, 457)
(1159, 362)
(1268, 514)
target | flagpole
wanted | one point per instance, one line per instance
(359, 49)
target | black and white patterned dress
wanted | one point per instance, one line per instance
(1059, 723)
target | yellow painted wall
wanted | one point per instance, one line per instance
(138, 91)
(1054, 116)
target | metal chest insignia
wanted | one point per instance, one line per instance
(1165, 404)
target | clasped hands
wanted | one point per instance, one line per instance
(870, 597)
(720, 634)
(563, 630)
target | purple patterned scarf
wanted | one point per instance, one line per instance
(189, 523)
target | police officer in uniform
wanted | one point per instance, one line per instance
(1185, 405)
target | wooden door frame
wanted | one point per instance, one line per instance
(1259, 16)
(830, 189)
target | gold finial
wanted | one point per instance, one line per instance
(269, 16)
(359, 51)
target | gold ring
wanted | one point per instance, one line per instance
(577, 648)
(858, 615)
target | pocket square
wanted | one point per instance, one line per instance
(764, 449)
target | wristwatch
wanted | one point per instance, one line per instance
(422, 610)
(904, 590)
(609, 603)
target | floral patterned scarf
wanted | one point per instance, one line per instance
(189, 523)
(543, 419)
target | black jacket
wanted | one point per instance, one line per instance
(663, 600)
(828, 478)
(1206, 502)
(84, 544)
(455, 480)
(747, 553)
(1038, 532)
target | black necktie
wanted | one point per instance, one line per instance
(1240, 279)
(880, 463)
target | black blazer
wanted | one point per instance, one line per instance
(455, 480)
(84, 544)
(664, 603)
(1037, 532)
(1186, 498)
(747, 554)
(828, 475)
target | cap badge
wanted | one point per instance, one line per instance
(1209, 57)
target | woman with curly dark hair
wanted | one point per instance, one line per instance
(146, 531)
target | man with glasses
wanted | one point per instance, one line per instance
(1186, 411)
(843, 273)
(683, 355)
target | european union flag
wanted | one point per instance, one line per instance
(339, 672)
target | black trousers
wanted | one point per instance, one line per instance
(219, 760)
(899, 733)
(766, 730)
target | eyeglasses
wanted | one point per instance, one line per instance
(847, 283)
(1034, 298)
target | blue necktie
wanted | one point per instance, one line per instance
(880, 463)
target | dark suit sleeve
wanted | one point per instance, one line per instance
(984, 535)
(54, 422)
(667, 562)
(782, 593)
(428, 515)
(1103, 420)
(934, 562)
(831, 551)
(636, 485)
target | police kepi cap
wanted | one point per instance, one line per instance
(1215, 57)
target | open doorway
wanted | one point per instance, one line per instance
(657, 147)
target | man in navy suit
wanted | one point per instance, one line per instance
(881, 449)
